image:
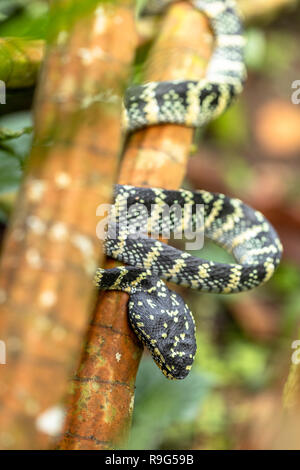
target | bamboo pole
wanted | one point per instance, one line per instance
(51, 250)
(101, 407)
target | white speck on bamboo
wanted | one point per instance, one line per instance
(85, 55)
(89, 55)
(33, 258)
(58, 231)
(62, 180)
(48, 298)
(51, 421)
(131, 404)
(36, 189)
(67, 89)
(62, 38)
(118, 356)
(100, 21)
(90, 267)
(36, 224)
(103, 97)
(84, 245)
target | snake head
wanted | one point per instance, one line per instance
(165, 325)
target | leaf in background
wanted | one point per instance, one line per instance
(291, 315)
(31, 20)
(238, 174)
(10, 172)
(13, 152)
(210, 360)
(248, 363)
(213, 252)
(232, 128)
(278, 61)
(238, 362)
(8, 134)
(287, 278)
(19, 123)
(8, 8)
(3, 219)
(213, 414)
(160, 403)
(255, 53)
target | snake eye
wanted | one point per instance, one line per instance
(165, 325)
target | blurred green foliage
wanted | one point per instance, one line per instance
(161, 405)
(24, 18)
(15, 143)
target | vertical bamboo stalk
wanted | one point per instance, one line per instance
(51, 250)
(103, 390)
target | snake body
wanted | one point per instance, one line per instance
(159, 316)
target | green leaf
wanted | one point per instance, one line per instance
(238, 174)
(140, 4)
(10, 172)
(8, 134)
(248, 363)
(232, 128)
(18, 139)
(160, 403)
(31, 21)
(213, 252)
(255, 53)
(15, 143)
(213, 414)
(287, 278)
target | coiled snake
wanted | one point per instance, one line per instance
(159, 316)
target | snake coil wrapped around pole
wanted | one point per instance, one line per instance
(159, 317)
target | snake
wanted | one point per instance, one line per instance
(158, 315)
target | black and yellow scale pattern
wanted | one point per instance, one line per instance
(159, 316)
(189, 102)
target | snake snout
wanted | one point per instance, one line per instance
(165, 325)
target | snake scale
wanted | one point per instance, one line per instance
(159, 316)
